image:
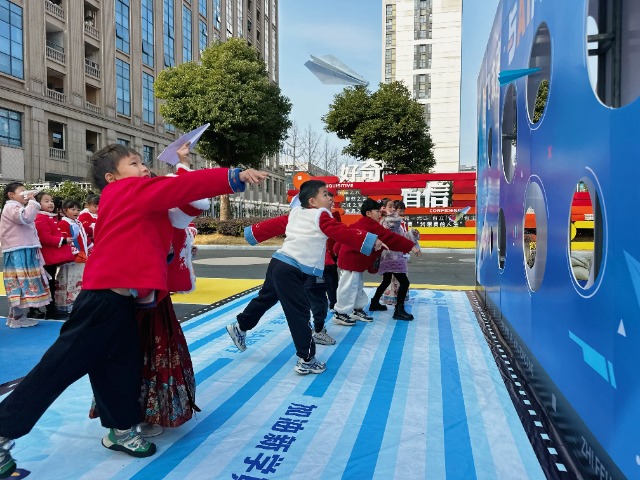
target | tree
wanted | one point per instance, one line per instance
(541, 100)
(230, 89)
(386, 125)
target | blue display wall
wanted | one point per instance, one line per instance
(559, 114)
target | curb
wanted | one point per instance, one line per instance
(276, 247)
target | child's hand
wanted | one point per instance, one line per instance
(252, 176)
(417, 251)
(184, 154)
(379, 245)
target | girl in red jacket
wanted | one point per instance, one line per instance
(69, 279)
(56, 249)
(89, 216)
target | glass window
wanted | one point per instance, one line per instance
(147, 155)
(11, 39)
(169, 34)
(10, 128)
(229, 17)
(216, 14)
(203, 8)
(239, 20)
(122, 25)
(147, 32)
(148, 101)
(204, 37)
(123, 141)
(123, 88)
(169, 128)
(186, 34)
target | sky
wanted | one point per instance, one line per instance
(351, 30)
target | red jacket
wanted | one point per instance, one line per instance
(133, 231)
(351, 259)
(54, 248)
(88, 221)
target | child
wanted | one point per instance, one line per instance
(69, 279)
(101, 338)
(351, 294)
(301, 256)
(89, 216)
(24, 283)
(393, 264)
(331, 267)
(56, 248)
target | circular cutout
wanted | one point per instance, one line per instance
(538, 82)
(502, 241)
(535, 233)
(509, 133)
(587, 236)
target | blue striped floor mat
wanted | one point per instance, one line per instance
(405, 400)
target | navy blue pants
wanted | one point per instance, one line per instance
(284, 283)
(100, 339)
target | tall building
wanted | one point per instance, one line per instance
(77, 75)
(422, 48)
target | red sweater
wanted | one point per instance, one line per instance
(351, 259)
(133, 231)
(54, 251)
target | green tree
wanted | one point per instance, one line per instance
(69, 191)
(386, 125)
(230, 89)
(541, 100)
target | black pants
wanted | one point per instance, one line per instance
(51, 270)
(403, 280)
(284, 283)
(331, 280)
(316, 290)
(100, 339)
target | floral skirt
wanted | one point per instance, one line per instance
(23, 281)
(168, 382)
(68, 285)
(167, 395)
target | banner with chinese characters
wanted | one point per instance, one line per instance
(441, 206)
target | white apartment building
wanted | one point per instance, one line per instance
(422, 47)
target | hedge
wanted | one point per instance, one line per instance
(234, 227)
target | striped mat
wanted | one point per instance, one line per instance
(406, 400)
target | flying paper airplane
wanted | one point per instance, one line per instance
(170, 154)
(456, 217)
(331, 71)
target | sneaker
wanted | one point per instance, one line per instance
(35, 314)
(56, 314)
(129, 442)
(7, 463)
(401, 314)
(21, 322)
(238, 336)
(360, 314)
(343, 319)
(323, 338)
(312, 366)
(147, 430)
(376, 306)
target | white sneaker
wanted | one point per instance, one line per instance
(312, 366)
(21, 322)
(323, 338)
(146, 430)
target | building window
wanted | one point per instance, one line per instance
(421, 56)
(10, 128)
(169, 128)
(169, 34)
(186, 34)
(123, 141)
(229, 16)
(239, 21)
(123, 88)
(389, 10)
(122, 25)
(11, 55)
(147, 32)
(148, 101)
(202, 8)
(147, 155)
(216, 14)
(421, 86)
(204, 37)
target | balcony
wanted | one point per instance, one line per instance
(91, 68)
(93, 108)
(57, 153)
(57, 96)
(55, 52)
(54, 9)
(92, 31)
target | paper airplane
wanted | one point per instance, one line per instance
(508, 76)
(170, 154)
(331, 71)
(455, 217)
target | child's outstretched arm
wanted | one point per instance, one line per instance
(365, 242)
(26, 214)
(261, 231)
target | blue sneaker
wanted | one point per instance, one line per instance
(312, 366)
(238, 336)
